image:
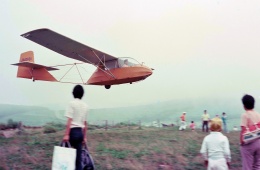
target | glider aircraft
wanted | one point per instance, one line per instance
(110, 70)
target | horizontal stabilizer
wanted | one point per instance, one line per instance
(29, 70)
(34, 66)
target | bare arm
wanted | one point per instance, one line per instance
(67, 131)
(243, 129)
(85, 129)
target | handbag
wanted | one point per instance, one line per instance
(64, 157)
(252, 133)
(86, 159)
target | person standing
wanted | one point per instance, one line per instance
(76, 127)
(183, 121)
(205, 120)
(224, 120)
(250, 152)
(215, 148)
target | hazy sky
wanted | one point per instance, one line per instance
(198, 48)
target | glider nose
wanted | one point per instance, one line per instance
(148, 71)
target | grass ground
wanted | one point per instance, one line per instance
(116, 149)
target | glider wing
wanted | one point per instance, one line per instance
(67, 47)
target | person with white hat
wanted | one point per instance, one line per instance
(183, 121)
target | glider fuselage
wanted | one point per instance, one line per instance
(120, 75)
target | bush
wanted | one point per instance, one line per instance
(2, 127)
(9, 125)
(49, 129)
(56, 125)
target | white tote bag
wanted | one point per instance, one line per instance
(63, 158)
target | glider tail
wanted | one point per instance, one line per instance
(28, 69)
(25, 72)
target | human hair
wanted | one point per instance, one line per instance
(205, 111)
(248, 102)
(216, 125)
(192, 121)
(78, 91)
(223, 113)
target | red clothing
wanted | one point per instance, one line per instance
(192, 126)
(182, 117)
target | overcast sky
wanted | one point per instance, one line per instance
(198, 48)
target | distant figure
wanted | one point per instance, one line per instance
(224, 120)
(183, 121)
(217, 117)
(205, 120)
(192, 125)
(125, 63)
(20, 127)
(215, 148)
(235, 128)
(76, 127)
(250, 152)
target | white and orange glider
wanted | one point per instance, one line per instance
(110, 70)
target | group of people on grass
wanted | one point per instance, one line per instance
(205, 122)
(215, 148)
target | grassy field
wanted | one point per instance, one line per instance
(116, 149)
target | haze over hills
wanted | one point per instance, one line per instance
(166, 112)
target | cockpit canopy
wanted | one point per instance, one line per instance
(121, 62)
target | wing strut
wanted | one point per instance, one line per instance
(106, 71)
(79, 73)
(103, 64)
(75, 64)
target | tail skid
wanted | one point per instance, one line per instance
(28, 69)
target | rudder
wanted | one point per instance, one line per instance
(28, 69)
(25, 72)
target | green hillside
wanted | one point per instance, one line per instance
(29, 115)
(165, 112)
(170, 111)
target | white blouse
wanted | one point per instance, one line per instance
(77, 111)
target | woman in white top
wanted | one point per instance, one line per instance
(76, 127)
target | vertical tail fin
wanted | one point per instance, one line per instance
(27, 57)
(25, 72)
(28, 69)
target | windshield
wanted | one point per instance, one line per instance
(121, 62)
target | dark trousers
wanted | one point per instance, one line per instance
(76, 139)
(205, 123)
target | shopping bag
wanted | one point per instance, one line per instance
(86, 159)
(63, 157)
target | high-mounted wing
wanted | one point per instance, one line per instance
(67, 47)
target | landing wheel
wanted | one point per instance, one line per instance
(107, 86)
